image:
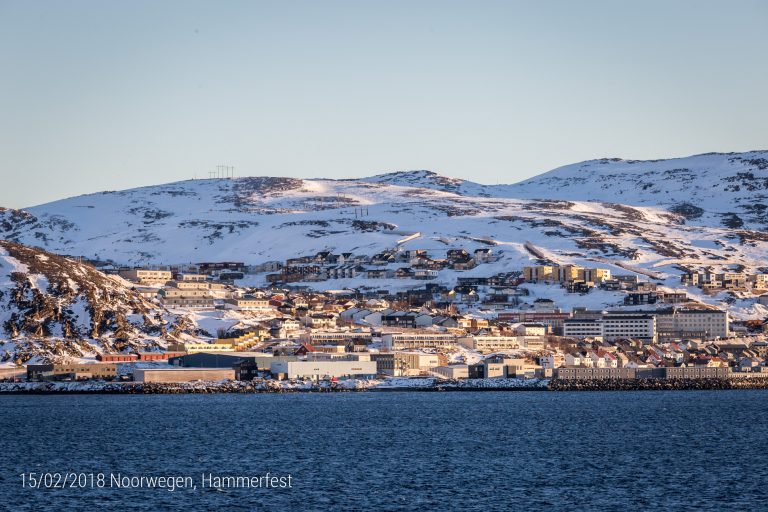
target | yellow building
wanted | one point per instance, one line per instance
(539, 273)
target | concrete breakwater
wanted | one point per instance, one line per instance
(657, 384)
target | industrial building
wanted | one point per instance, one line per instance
(75, 371)
(226, 359)
(457, 371)
(400, 364)
(182, 374)
(319, 370)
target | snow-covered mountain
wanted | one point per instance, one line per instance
(656, 215)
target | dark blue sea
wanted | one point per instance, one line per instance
(391, 451)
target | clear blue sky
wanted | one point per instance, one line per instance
(99, 95)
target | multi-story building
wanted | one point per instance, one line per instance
(319, 321)
(192, 297)
(553, 319)
(400, 341)
(626, 325)
(146, 276)
(531, 329)
(582, 328)
(192, 277)
(490, 343)
(336, 337)
(248, 304)
(566, 274)
(596, 275)
(539, 273)
(759, 281)
(682, 322)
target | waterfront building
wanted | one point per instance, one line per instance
(454, 371)
(182, 374)
(321, 370)
(75, 371)
(691, 322)
(399, 364)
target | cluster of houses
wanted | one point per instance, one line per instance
(320, 336)
(504, 351)
(735, 281)
(681, 359)
(482, 327)
(390, 264)
(578, 279)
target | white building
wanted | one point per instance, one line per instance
(490, 343)
(701, 323)
(338, 356)
(530, 329)
(456, 371)
(146, 276)
(639, 327)
(248, 304)
(398, 341)
(192, 277)
(421, 273)
(578, 360)
(552, 361)
(581, 328)
(319, 370)
(337, 337)
(603, 359)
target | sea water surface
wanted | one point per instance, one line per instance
(396, 451)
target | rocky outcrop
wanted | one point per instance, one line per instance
(53, 306)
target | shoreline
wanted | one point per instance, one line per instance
(419, 385)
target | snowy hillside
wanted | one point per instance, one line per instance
(52, 306)
(656, 216)
(730, 190)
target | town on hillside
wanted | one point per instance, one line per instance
(287, 329)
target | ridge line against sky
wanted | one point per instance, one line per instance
(380, 174)
(108, 96)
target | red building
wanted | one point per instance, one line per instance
(158, 356)
(116, 358)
